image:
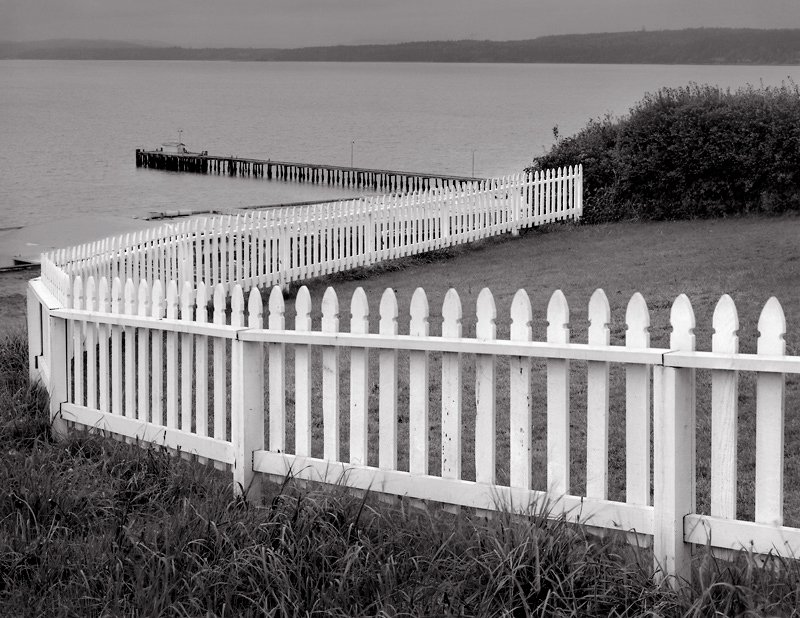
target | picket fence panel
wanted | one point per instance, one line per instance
(250, 436)
(162, 336)
(280, 245)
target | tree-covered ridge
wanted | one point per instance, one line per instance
(690, 46)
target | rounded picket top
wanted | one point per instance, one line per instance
(172, 299)
(389, 312)
(302, 307)
(220, 302)
(277, 309)
(201, 301)
(420, 314)
(116, 295)
(521, 317)
(558, 318)
(77, 293)
(157, 300)
(451, 313)
(255, 309)
(330, 311)
(486, 309)
(144, 298)
(682, 320)
(772, 328)
(91, 295)
(130, 297)
(637, 319)
(359, 312)
(726, 327)
(187, 301)
(202, 294)
(599, 318)
(237, 306)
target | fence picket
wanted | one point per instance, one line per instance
(187, 307)
(485, 380)
(770, 418)
(91, 345)
(302, 373)
(418, 387)
(558, 413)
(277, 374)
(387, 407)
(172, 372)
(724, 412)
(520, 468)
(143, 359)
(597, 382)
(451, 389)
(637, 406)
(220, 375)
(330, 378)
(201, 365)
(77, 343)
(103, 336)
(156, 355)
(359, 380)
(116, 350)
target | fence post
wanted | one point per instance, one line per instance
(247, 397)
(34, 333)
(674, 451)
(58, 387)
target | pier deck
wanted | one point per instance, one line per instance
(336, 175)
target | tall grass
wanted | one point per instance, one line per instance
(94, 527)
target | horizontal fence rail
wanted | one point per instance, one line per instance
(281, 245)
(480, 421)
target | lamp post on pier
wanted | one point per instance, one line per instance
(473, 163)
(351, 153)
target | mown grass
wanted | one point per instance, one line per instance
(90, 526)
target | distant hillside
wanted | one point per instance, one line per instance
(691, 46)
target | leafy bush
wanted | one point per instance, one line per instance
(696, 151)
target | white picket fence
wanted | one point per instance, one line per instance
(186, 375)
(281, 245)
(189, 365)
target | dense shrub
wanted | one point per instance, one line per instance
(697, 151)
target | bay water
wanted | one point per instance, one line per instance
(69, 129)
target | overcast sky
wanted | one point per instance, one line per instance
(298, 23)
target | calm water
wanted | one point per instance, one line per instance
(69, 129)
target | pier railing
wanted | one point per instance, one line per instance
(280, 245)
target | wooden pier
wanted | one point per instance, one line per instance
(335, 175)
